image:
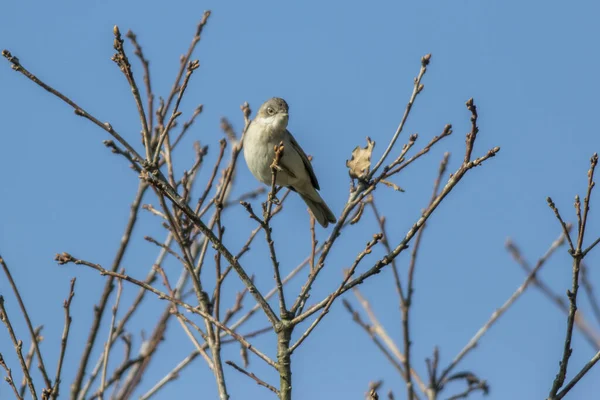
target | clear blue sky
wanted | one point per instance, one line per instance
(346, 70)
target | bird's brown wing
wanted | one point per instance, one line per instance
(307, 164)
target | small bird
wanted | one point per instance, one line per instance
(267, 130)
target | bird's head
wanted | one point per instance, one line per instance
(274, 113)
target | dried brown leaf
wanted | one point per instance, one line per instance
(360, 163)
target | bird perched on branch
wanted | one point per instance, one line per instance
(269, 129)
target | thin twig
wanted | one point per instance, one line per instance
(251, 375)
(564, 226)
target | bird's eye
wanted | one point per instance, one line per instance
(270, 110)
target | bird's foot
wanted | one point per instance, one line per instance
(273, 199)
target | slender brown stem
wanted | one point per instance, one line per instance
(64, 339)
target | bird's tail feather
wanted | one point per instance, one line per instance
(319, 210)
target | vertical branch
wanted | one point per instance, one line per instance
(268, 230)
(63, 339)
(111, 330)
(313, 243)
(577, 256)
(284, 361)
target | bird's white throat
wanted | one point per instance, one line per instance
(273, 122)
